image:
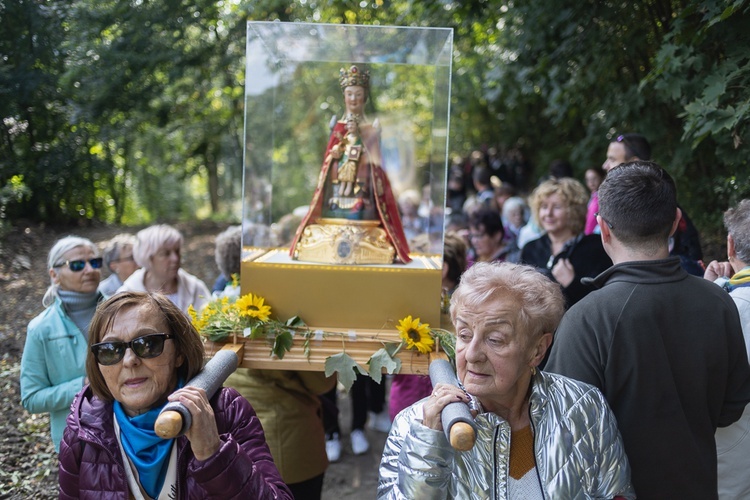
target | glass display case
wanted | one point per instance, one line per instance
(345, 159)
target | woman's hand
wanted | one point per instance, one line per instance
(442, 395)
(203, 434)
(716, 269)
(564, 272)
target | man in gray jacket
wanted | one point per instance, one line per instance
(664, 347)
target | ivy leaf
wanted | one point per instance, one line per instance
(716, 86)
(217, 336)
(295, 321)
(282, 344)
(346, 368)
(383, 359)
(256, 331)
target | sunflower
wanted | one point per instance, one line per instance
(253, 306)
(197, 320)
(416, 335)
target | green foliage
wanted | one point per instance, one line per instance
(132, 112)
(14, 192)
(282, 343)
(345, 367)
(383, 359)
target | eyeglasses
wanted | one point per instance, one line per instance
(124, 259)
(80, 265)
(476, 236)
(148, 346)
(597, 214)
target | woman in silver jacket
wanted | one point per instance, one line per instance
(539, 435)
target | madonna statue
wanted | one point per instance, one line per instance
(353, 216)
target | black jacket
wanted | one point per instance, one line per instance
(667, 351)
(585, 253)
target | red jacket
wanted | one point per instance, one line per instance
(91, 463)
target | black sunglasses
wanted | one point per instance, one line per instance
(148, 346)
(79, 265)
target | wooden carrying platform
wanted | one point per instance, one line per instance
(360, 345)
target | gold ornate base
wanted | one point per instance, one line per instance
(343, 241)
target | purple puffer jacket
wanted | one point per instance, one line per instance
(91, 464)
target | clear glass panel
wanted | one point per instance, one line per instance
(293, 99)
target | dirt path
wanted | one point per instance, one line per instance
(28, 462)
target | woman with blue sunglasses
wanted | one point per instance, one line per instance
(54, 356)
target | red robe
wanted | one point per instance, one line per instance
(370, 165)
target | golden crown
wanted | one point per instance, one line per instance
(354, 76)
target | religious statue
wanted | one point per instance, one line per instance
(353, 216)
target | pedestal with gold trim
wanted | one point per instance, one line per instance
(342, 241)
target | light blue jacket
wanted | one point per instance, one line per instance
(53, 366)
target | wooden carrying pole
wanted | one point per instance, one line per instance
(175, 419)
(456, 418)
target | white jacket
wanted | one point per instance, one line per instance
(190, 289)
(733, 442)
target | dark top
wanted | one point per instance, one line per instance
(585, 253)
(667, 351)
(91, 465)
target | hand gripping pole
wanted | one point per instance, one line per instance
(175, 419)
(456, 418)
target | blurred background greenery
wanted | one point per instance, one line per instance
(130, 112)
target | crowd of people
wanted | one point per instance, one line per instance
(599, 356)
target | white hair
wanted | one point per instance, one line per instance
(151, 240)
(60, 248)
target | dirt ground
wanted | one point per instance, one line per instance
(28, 462)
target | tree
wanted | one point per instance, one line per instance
(133, 111)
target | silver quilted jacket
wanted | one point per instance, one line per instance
(578, 450)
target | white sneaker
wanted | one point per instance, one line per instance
(380, 422)
(333, 448)
(359, 442)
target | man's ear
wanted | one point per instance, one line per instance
(678, 217)
(731, 251)
(604, 229)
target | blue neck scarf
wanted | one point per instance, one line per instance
(148, 452)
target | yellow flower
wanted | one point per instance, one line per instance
(415, 334)
(253, 306)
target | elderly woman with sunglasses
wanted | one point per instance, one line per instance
(143, 351)
(157, 250)
(539, 435)
(52, 365)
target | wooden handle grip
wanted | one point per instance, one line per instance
(168, 424)
(462, 436)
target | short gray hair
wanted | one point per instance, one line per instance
(541, 300)
(229, 251)
(151, 239)
(114, 247)
(737, 222)
(60, 248)
(514, 203)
